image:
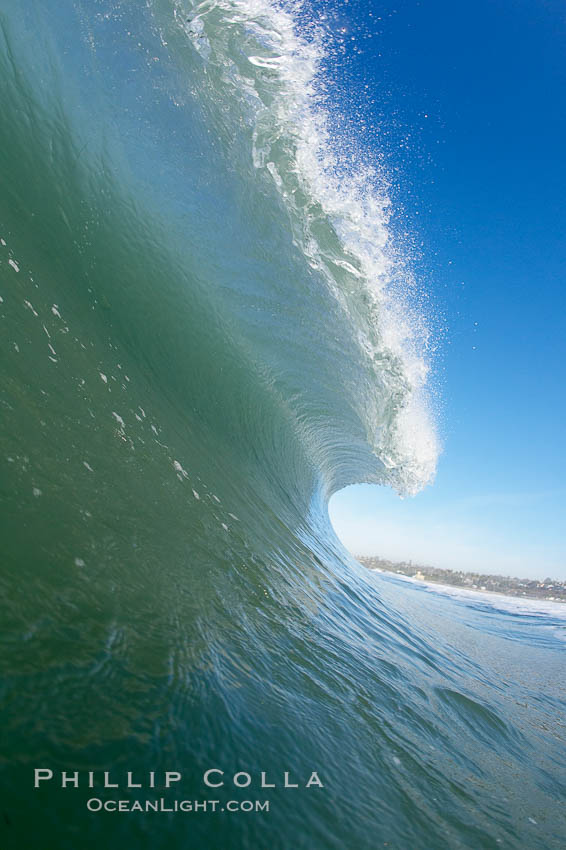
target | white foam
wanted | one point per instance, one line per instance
(119, 420)
(182, 473)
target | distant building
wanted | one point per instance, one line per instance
(476, 581)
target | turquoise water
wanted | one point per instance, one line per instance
(207, 329)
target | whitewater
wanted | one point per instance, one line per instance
(208, 327)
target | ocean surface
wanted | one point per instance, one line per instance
(208, 328)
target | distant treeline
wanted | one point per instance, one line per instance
(548, 588)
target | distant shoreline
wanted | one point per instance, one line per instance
(547, 590)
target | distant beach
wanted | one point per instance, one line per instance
(548, 590)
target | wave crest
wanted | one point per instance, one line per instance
(339, 212)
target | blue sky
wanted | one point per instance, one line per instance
(469, 105)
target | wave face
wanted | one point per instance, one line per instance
(207, 330)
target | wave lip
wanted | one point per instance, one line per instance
(267, 75)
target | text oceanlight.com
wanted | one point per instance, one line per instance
(95, 804)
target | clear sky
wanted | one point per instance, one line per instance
(469, 99)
